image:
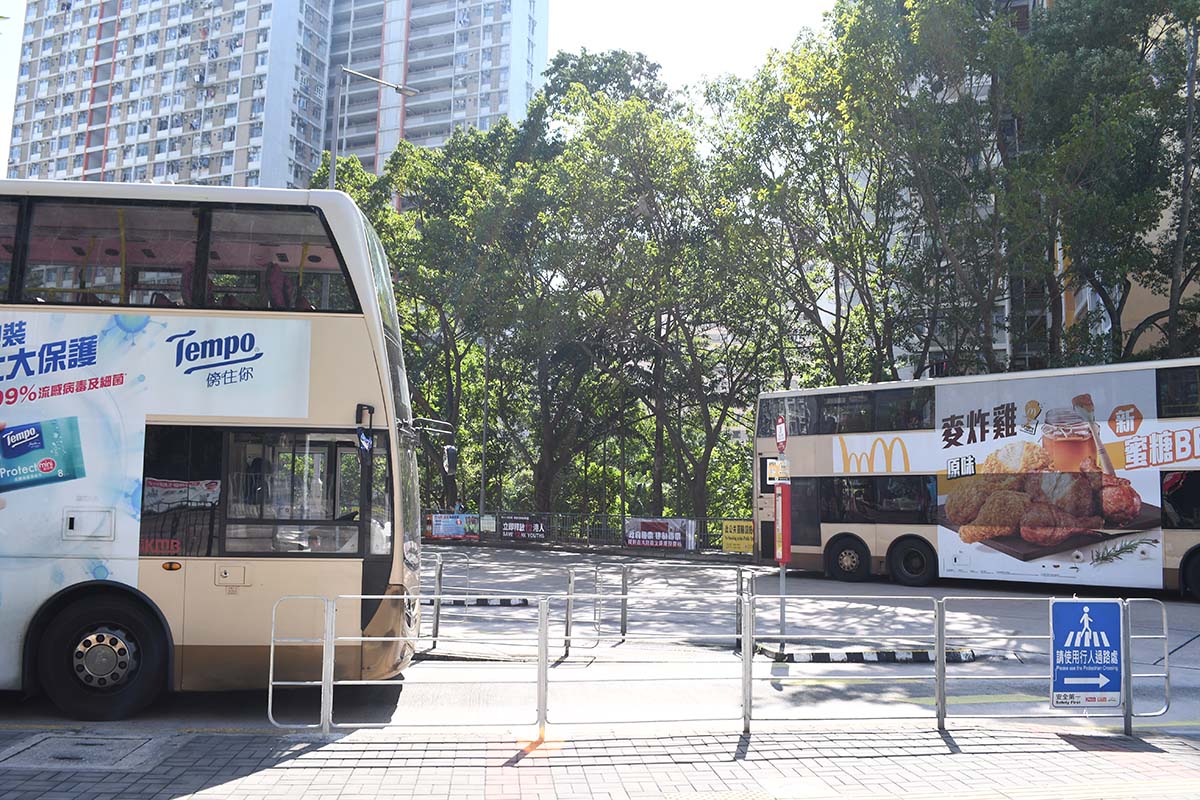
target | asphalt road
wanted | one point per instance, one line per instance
(678, 660)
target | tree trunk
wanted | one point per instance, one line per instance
(1054, 288)
(657, 376)
(1174, 340)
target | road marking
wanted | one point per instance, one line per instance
(981, 699)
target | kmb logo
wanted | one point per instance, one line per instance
(866, 461)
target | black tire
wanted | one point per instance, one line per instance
(912, 562)
(848, 559)
(1191, 575)
(135, 643)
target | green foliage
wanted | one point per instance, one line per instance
(921, 186)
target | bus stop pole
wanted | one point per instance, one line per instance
(1127, 667)
(782, 606)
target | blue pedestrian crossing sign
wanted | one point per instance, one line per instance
(1086, 654)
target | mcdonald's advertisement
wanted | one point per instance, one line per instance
(1034, 483)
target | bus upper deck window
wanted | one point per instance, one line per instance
(852, 412)
(1179, 392)
(101, 254)
(265, 259)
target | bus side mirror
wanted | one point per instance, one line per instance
(449, 459)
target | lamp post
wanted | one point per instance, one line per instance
(342, 87)
(487, 351)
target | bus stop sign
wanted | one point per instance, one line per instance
(780, 433)
(1087, 653)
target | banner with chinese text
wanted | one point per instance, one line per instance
(666, 534)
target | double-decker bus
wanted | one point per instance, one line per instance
(1086, 476)
(204, 409)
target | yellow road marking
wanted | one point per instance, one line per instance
(973, 699)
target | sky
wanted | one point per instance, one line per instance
(691, 39)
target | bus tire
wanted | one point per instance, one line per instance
(1191, 574)
(848, 559)
(102, 658)
(912, 562)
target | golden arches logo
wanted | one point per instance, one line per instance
(865, 462)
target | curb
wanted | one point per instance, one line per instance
(508, 602)
(866, 656)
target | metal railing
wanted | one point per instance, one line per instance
(931, 631)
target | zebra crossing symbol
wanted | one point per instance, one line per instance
(1087, 653)
(1085, 636)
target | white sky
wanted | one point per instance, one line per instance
(691, 39)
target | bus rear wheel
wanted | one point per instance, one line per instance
(102, 658)
(848, 559)
(912, 562)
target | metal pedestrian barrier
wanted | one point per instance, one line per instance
(735, 621)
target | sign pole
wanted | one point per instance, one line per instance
(1126, 668)
(783, 525)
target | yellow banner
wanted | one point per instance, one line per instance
(737, 536)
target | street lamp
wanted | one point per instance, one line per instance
(342, 86)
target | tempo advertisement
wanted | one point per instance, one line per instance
(1052, 479)
(75, 390)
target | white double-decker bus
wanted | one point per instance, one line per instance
(204, 409)
(1085, 476)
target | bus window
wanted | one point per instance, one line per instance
(768, 409)
(805, 511)
(848, 500)
(181, 491)
(851, 412)
(381, 503)
(107, 254)
(906, 499)
(904, 409)
(1181, 500)
(287, 493)
(1179, 392)
(275, 260)
(800, 413)
(8, 244)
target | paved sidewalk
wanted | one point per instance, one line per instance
(974, 762)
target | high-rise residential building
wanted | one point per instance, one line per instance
(234, 92)
(473, 61)
(222, 92)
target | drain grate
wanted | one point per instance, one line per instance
(74, 752)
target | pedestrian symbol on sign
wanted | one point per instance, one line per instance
(1085, 636)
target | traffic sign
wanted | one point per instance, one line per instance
(777, 470)
(1087, 653)
(781, 433)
